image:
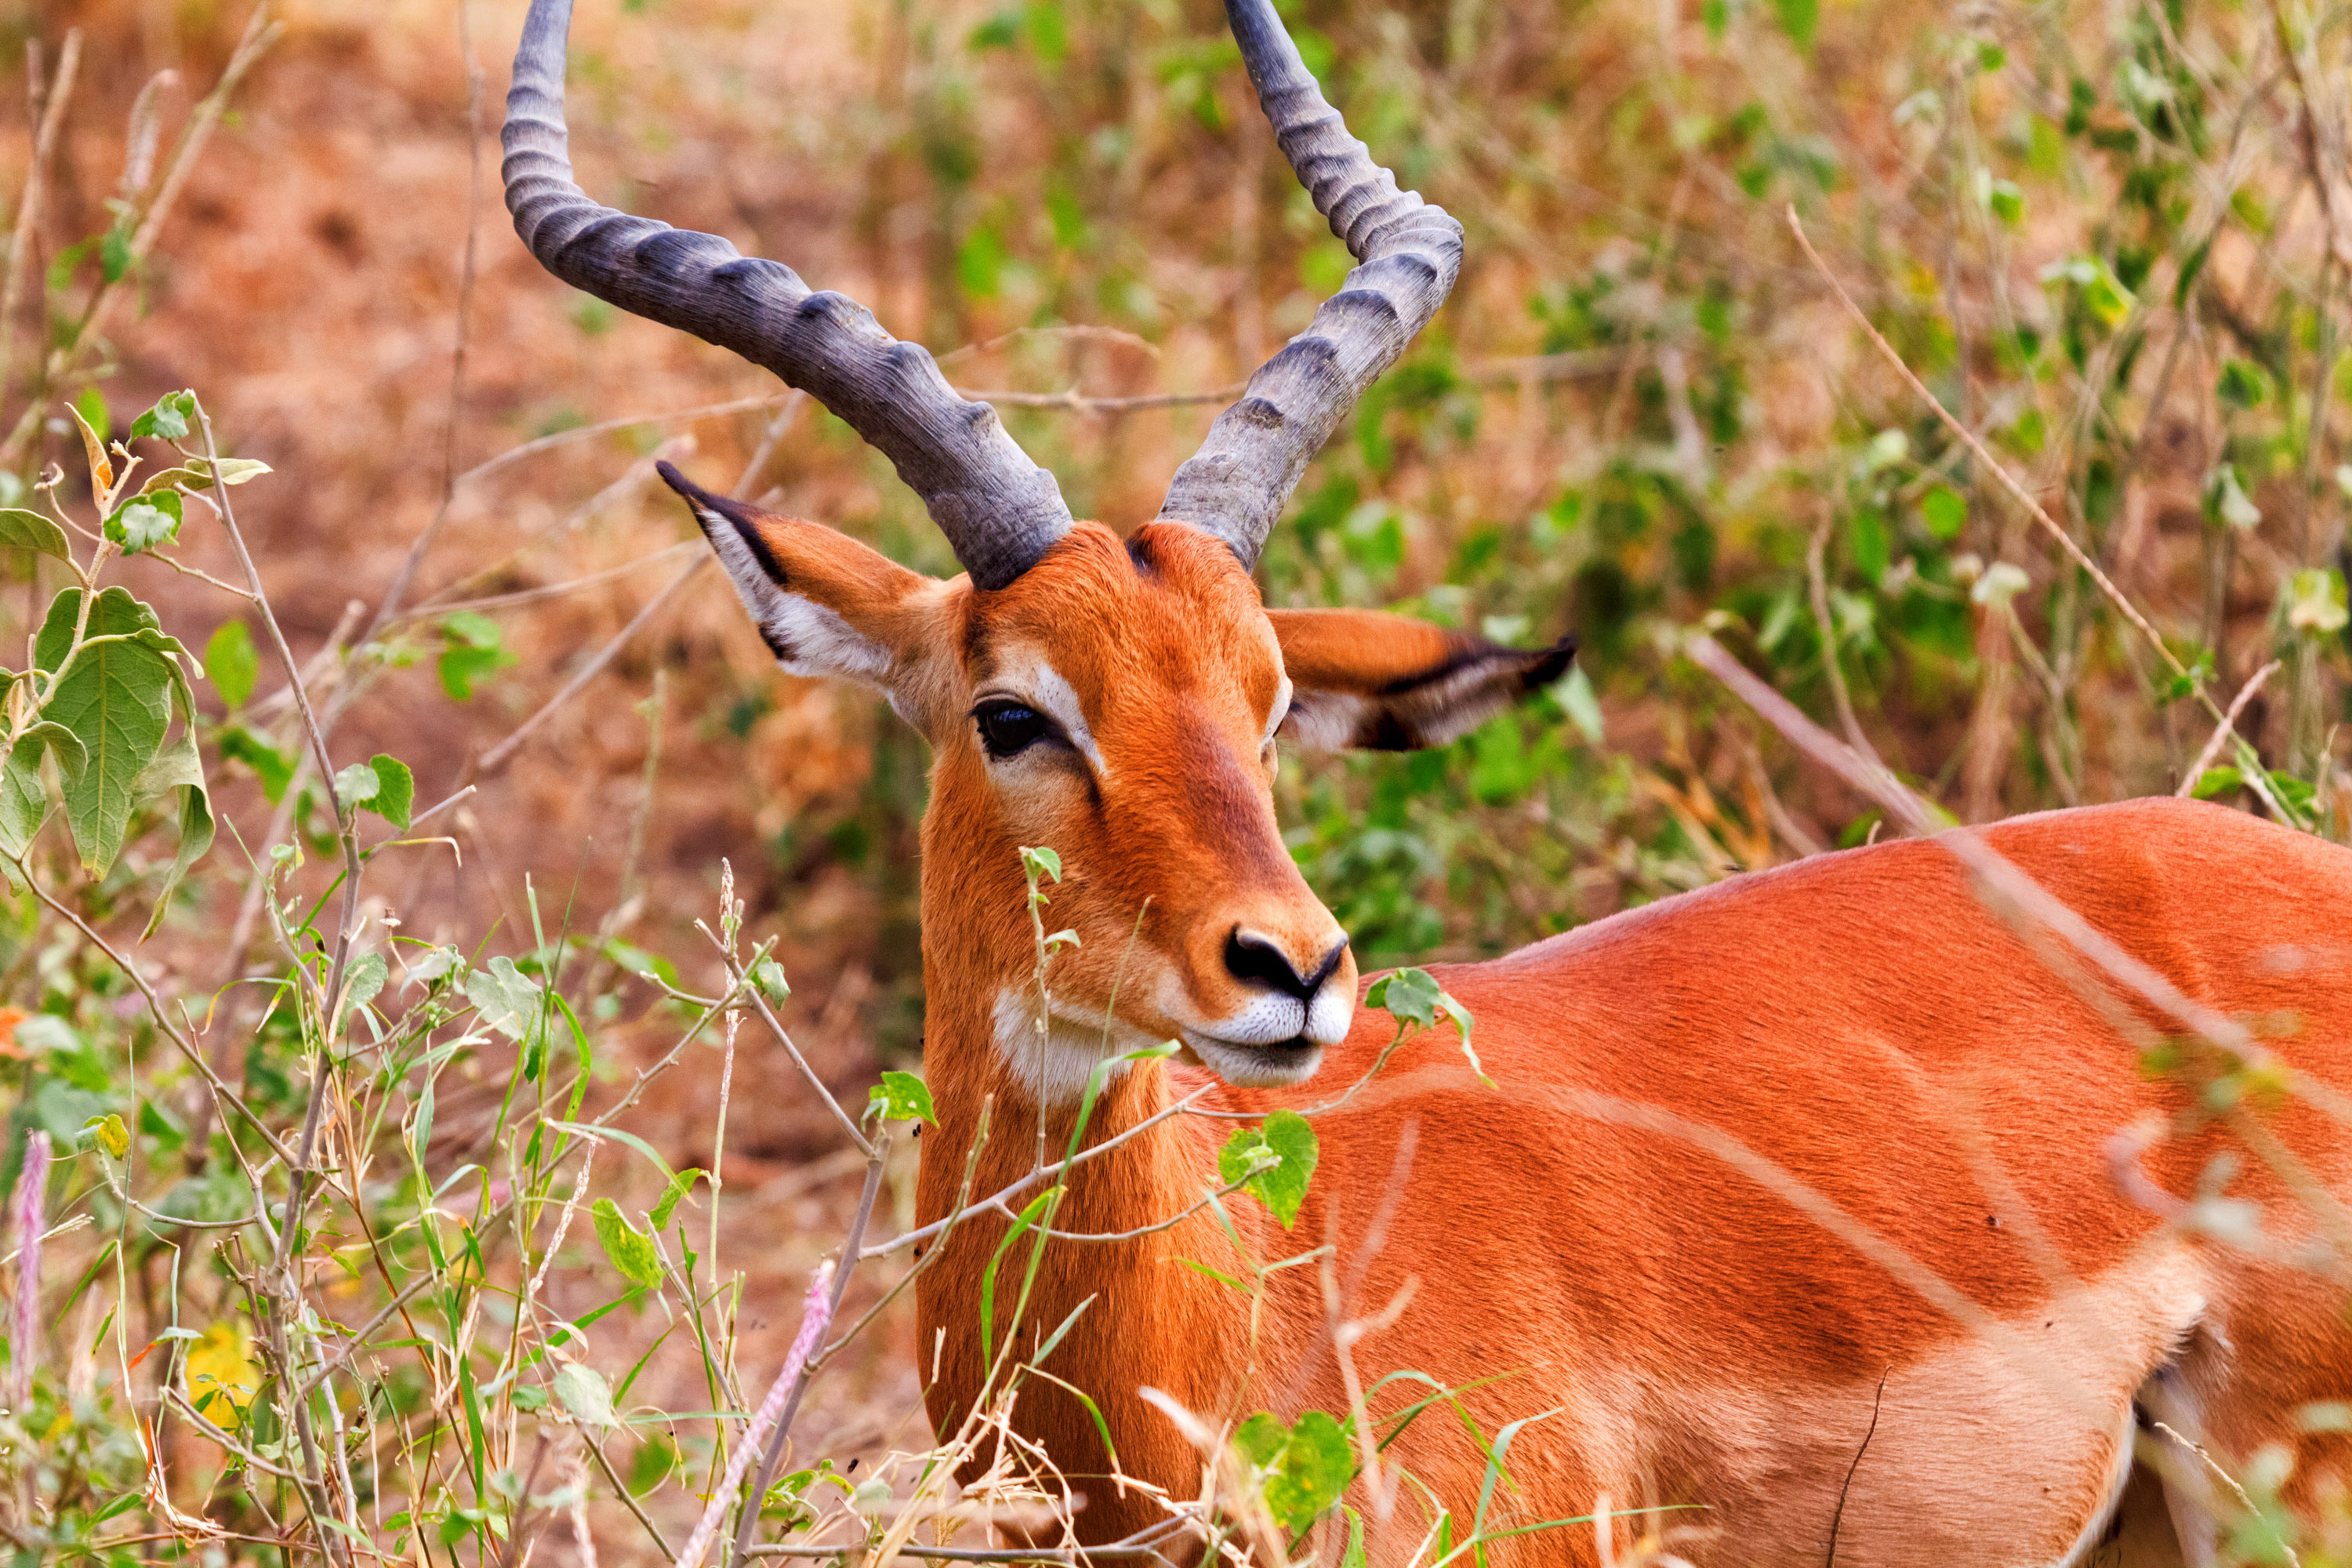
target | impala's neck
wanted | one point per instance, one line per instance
(1152, 1322)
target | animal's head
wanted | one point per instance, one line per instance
(1118, 700)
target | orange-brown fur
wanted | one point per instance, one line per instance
(1862, 1063)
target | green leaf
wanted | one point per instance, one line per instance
(769, 976)
(394, 796)
(631, 1252)
(1798, 19)
(110, 1131)
(1867, 544)
(2316, 601)
(24, 798)
(463, 664)
(169, 418)
(902, 1097)
(116, 698)
(2226, 500)
(436, 962)
(1945, 511)
(355, 785)
(582, 1391)
(1581, 704)
(1413, 996)
(1040, 864)
(1304, 1468)
(237, 470)
(673, 1194)
(233, 664)
(1408, 994)
(2243, 384)
(2101, 290)
(2214, 782)
(114, 252)
(509, 999)
(1461, 1016)
(473, 629)
(22, 530)
(363, 980)
(177, 767)
(141, 525)
(201, 473)
(273, 767)
(1276, 1159)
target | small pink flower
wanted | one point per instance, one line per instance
(817, 1312)
(25, 1211)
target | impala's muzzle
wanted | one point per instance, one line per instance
(1291, 1006)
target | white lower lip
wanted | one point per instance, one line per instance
(1272, 1066)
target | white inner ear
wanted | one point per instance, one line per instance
(1280, 711)
(1324, 720)
(807, 637)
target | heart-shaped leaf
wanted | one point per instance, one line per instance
(1275, 1159)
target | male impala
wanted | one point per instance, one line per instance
(1794, 1199)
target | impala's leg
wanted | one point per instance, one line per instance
(2186, 1489)
(2142, 1533)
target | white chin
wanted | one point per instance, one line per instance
(1256, 1066)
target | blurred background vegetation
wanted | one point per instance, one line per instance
(2113, 238)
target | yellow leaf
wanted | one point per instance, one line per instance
(222, 1374)
(101, 472)
(110, 1132)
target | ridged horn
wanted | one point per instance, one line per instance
(998, 510)
(1408, 253)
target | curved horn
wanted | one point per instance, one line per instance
(1408, 253)
(998, 510)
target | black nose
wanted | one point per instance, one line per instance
(1255, 960)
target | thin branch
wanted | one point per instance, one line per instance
(395, 595)
(1838, 1518)
(1014, 1189)
(850, 1253)
(28, 208)
(532, 448)
(347, 928)
(2223, 731)
(2024, 497)
(1818, 581)
(497, 756)
(1999, 471)
(259, 34)
(1992, 869)
(155, 1007)
(552, 591)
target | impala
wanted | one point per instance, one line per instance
(1793, 1200)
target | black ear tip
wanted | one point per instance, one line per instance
(678, 482)
(1553, 664)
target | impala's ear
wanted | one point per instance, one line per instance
(824, 603)
(1386, 683)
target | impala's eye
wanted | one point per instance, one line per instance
(1006, 728)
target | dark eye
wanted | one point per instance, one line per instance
(1006, 728)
